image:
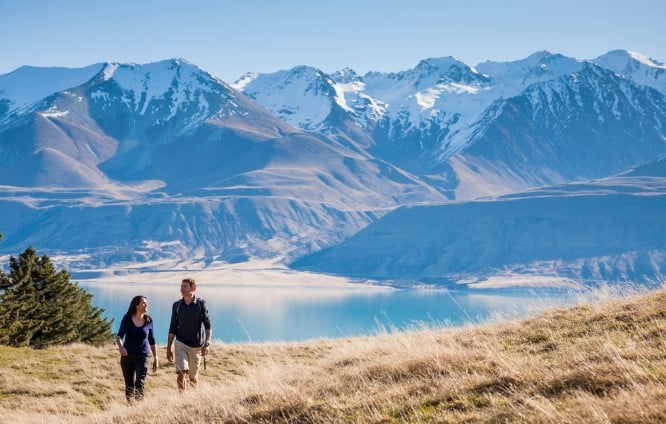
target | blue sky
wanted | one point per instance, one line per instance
(229, 38)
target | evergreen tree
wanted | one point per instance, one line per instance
(40, 307)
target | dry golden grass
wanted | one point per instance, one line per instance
(595, 363)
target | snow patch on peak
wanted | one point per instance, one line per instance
(635, 66)
(176, 79)
(544, 63)
(179, 61)
(623, 58)
(153, 77)
(648, 61)
(244, 80)
(301, 96)
(346, 75)
(308, 75)
(109, 70)
(348, 88)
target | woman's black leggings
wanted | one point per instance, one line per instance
(135, 369)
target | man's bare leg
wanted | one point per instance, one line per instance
(181, 380)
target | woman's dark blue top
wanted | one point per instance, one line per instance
(137, 340)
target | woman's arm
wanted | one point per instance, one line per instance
(151, 341)
(119, 336)
(156, 361)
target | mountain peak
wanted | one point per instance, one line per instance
(301, 96)
(177, 79)
(540, 56)
(538, 66)
(441, 63)
(648, 61)
(303, 71)
(640, 68)
(623, 57)
(170, 67)
(345, 76)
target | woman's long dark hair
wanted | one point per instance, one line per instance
(134, 303)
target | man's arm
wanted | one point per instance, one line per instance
(169, 343)
(173, 324)
(206, 346)
(205, 320)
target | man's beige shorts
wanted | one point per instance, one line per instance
(187, 358)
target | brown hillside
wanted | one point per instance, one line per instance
(594, 363)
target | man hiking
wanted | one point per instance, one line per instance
(189, 317)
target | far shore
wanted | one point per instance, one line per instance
(250, 274)
(276, 275)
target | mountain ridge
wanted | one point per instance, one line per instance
(606, 230)
(283, 165)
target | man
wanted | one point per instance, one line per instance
(188, 315)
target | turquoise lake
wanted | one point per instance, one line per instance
(242, 314)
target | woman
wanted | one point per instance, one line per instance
(136, 328)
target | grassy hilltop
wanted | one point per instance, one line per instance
(595, 363)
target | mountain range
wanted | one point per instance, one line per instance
(440, 173)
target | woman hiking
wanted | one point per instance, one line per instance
(137, 349)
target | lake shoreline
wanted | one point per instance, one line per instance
(275, 274)
(246, 274)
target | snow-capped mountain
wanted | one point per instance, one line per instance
(435, 118)
(120, 117)
(394, 110)
(127, 162)
(636, 67)
(584, 125)
(303, 93)
(167, 156)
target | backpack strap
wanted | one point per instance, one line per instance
(176, 307)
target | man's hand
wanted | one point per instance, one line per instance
(204, 349)
(169, 354)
